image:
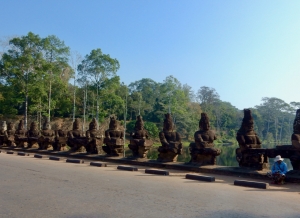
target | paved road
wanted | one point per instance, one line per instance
(33, 187)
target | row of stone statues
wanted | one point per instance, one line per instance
(202, 151)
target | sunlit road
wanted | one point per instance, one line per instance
(33, 187)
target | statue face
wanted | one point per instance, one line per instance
(205, 126)
(139, 126)
(249, 127)
(33, 126)
(75, 126)
(93, 126)
(10, 126)
(169, 125)
(47, 126)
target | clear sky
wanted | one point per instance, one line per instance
(245, 49)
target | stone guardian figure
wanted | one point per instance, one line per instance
(170, 140)
(250, 154)
(139, 140)
(202, 150)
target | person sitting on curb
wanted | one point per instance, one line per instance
(279, 169)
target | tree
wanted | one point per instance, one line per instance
(56, 56)
(22, 64)
(98, 67)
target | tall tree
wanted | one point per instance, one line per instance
(22, 63)
(56, 56)
(97, 67)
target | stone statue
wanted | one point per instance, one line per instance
(296, 134)
(202, 150)
(33, 135)
(61, 138)
(114, 139)
(3, 128)
(20, 135)
(47, 136)
(295, 156)
(170, 140)
(10, 135)
(250, 153)
(94, 139)
(76, 139)
(139, 140)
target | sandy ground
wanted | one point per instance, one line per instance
(32, 187)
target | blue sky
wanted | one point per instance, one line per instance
(246, 49)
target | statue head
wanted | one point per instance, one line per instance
(10, 126)
(204, 122)
(34, 126)
(296, 124)
(76, 124)
(247, 123)
(21, 125)
(3, 126)
(46, 125)
(57, 125)
(168, 122)
(113, 124)
(139, 124)
(93, 124)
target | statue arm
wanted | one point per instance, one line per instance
(178, 137)
(163, 139)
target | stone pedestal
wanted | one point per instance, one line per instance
(169, 153)
(114, 146)
(140, 147)
(32, 142)
(255, 158)
(203, 156)
(60, 144)
(94, 146)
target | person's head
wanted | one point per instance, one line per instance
(278, 159)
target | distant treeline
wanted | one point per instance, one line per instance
(41, 77)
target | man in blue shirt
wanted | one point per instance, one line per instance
(279, 169)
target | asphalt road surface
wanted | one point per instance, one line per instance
(32, 187)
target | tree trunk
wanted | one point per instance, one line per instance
(74, 95)
(49, 99)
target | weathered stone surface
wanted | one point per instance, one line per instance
(76, 139)
(170, 140)
(9, 135)
(3, 128)
(127, 168)
(98, 164)
(252, 184)
(200, 178)
(75, 161)
(46, 138)
(114, 139)
(20, 135)
(157, 172)
(202, 150)
(33, 135)
(139, 140)
(94, 139)
(250, 154)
